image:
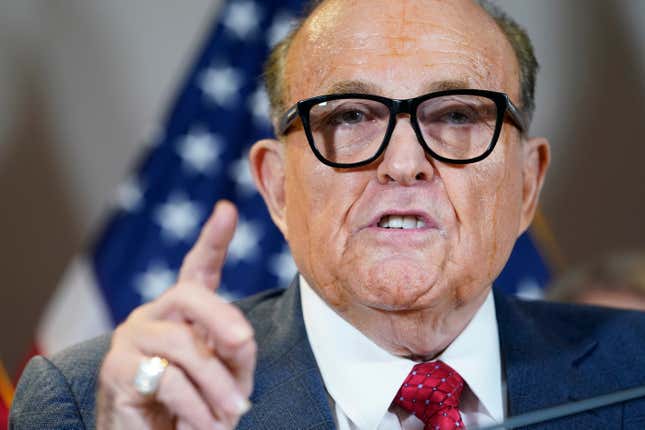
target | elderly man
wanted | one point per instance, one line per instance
(401, 177)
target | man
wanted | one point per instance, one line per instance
(402, 176)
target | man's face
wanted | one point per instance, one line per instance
(473, 213)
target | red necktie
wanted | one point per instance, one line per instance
(431, 392)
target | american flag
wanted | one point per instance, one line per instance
(199, 157)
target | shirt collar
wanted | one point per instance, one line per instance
(363, 378)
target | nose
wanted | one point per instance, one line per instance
(404, 160)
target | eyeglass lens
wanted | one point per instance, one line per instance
(351, 130)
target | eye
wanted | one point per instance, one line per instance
(458, 117)
(347, 117)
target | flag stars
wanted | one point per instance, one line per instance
(245, 243)
(282, 266)
(240, 172)
(259, 106)
(178, 218)
(529, 289)
(129, 195)
(282, 24)
(200, 151)
(226, 295)
(154, 281)
(242, 18)
(221, 84)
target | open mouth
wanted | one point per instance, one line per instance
(403, 222)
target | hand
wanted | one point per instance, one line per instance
(208, 343)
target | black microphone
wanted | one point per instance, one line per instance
(567, 409)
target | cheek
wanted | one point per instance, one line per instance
(487, 203)
(318, 199)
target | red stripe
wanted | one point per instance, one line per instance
(4, 415)
(32, 353)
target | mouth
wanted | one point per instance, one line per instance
(395, 220)
(403, 222)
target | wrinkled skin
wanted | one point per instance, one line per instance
(413, 291)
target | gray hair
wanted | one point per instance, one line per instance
(518, 38)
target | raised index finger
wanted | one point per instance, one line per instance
(203, 263)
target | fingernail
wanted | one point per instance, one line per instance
(242, 404)
(240, 333)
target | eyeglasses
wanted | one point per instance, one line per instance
(454, 126)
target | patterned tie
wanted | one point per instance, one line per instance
(431, 392)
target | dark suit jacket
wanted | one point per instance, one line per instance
(551, 354)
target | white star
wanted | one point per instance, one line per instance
(200, 151)
(282, 24)
(246, 242)
(241, 174)
(154, 281)
(178, 218)
(227, 295)
(242, 18)
(259, 106)
(282, 266)
(221, 84)
(529, 289)
(129, 195)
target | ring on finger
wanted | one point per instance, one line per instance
(149, 373)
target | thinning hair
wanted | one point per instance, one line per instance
(274, 68)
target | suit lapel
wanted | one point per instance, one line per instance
(545, 366)
(289, 392)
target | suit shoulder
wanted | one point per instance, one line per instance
(584, 316)
(610, 326)
(61, 388)
(261, 304)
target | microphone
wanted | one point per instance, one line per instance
(567, 409)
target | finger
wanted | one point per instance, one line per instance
(222, 328)
(225, 324)
(177, 343)
(182, 400)
(203, 263)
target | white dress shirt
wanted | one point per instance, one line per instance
(362, 378)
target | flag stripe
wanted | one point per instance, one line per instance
(75, 313)
(6, 387)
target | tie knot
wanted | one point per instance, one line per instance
(431, 392)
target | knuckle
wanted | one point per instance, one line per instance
(179, 336)
(112, 367)
(172, 387)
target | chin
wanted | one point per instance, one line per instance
(397, 284)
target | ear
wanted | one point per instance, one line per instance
(266, 160)
(537, 156)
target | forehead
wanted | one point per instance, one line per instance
(399, 49)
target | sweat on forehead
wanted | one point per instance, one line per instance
(341, 38)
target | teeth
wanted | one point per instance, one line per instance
(395, 221)
(410, 222)
(401, 222)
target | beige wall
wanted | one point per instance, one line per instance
(83, 84)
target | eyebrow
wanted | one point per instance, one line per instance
(353, 87)
(456, 84)
(356, 86)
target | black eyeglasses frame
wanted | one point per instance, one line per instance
(408, 106)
